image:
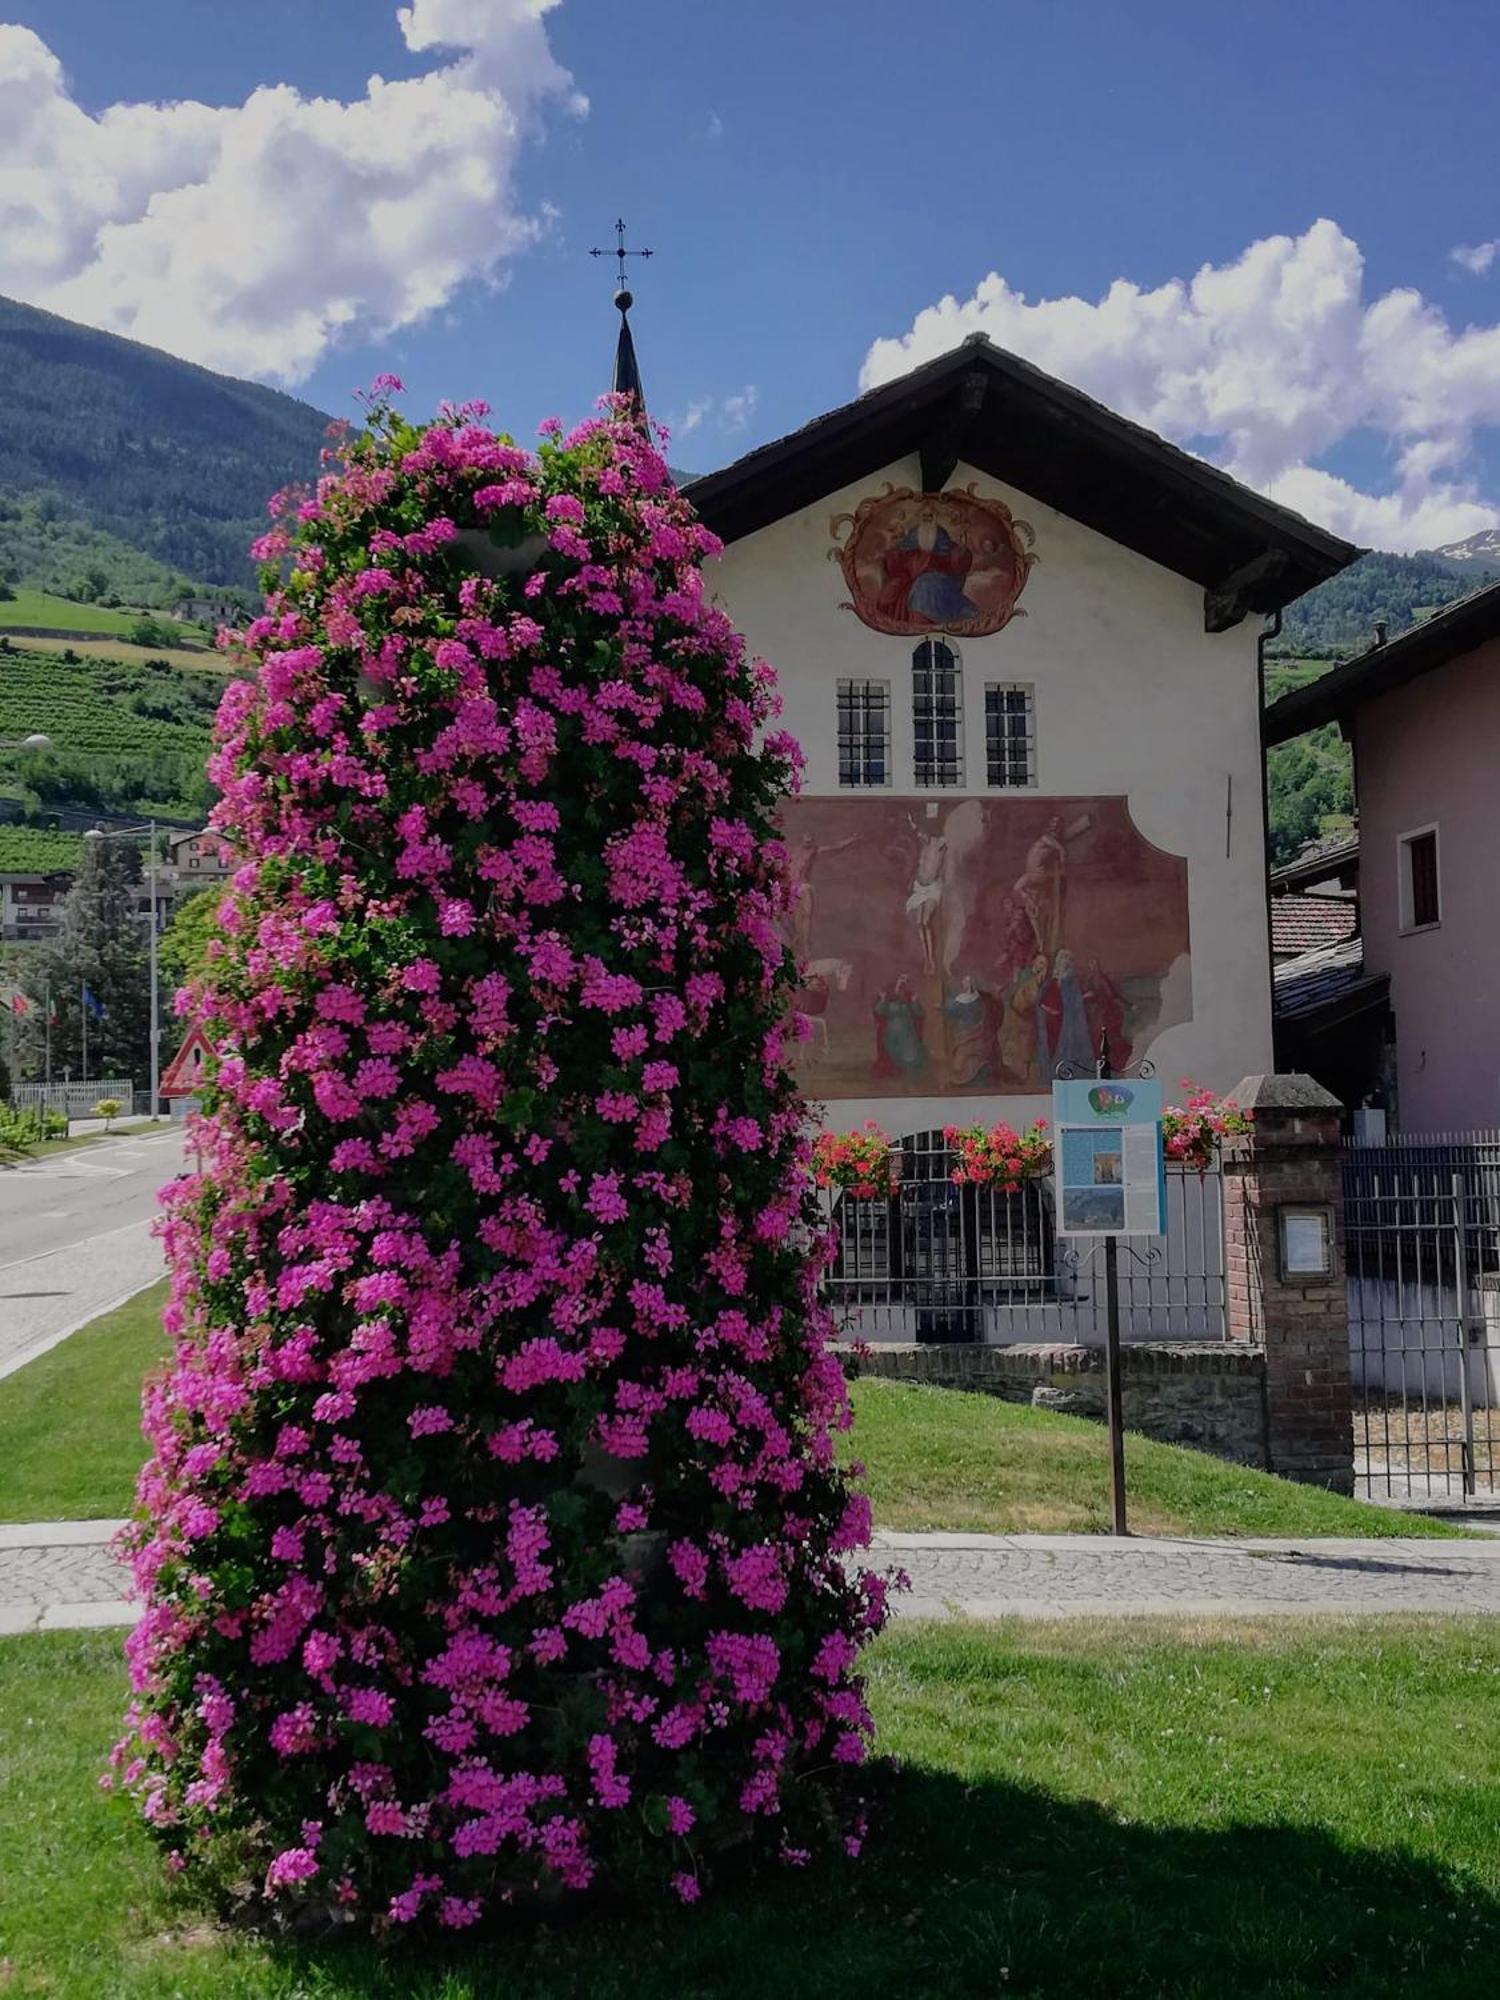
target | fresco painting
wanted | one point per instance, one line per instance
(971, 946)
(933, 562)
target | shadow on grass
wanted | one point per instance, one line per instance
(994, 1889)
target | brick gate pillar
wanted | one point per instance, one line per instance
(1291, 1160)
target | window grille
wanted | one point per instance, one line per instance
(1009, 734)
(937, 704)
(864, 719)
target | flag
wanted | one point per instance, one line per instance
(94, 1004)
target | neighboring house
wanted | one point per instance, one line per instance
(1017, 638)
(31, 904)
(199, 859)
(1423, 713)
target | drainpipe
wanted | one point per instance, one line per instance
(1270, 632)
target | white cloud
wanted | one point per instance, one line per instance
(1266, 365)
(736, 411)
(249, 237)
(1476, 257)
(728, 414)
(715, 125)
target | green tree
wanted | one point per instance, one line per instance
(102, 946)
(182, 952)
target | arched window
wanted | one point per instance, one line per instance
(937, 713)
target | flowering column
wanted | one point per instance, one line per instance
(493, 1543)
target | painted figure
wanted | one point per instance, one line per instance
(803, 858)
(1104, 1004)
(1042, 886)
(1065, 1024)
(924, 571)
(1018, 1028)
(899, 1047)
(954, 561)
(925, 898)
(971, 1044)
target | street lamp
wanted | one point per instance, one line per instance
(119, 833)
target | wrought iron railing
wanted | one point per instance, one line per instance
(938, 1262)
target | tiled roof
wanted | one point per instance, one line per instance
(1330, 981)
(1308, 923)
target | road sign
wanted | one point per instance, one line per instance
(185, 1072)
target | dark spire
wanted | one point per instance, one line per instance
(627, 380)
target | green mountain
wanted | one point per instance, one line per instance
(123, 464)
(1338, 619)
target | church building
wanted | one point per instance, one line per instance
(1019, 641)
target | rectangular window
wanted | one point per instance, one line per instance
(937, 709)
(1009, 734)
(864, 713)
(1419, 898)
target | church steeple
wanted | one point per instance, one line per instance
(627, 380)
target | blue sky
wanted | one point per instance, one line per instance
(814, 180)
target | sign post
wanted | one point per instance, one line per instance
(1110, 1172)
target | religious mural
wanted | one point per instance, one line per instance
(933, 562)
(970, 946)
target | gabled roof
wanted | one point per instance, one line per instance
(1008, 419)
(1458, 628)
(1335, 858)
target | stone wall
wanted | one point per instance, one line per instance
(1210, 1396)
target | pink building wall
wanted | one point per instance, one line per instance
(1428, 754)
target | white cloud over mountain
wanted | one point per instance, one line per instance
(248, 237)
(1266, 365)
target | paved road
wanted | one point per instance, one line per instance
(61, 1574)
(75, 1236)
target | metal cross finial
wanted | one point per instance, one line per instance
(620, 252)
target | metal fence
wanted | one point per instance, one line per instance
(73, 1100)
(1422, 1231)
(939, 1262)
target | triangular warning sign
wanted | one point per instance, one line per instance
(184, 1073)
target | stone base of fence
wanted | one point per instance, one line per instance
(1211, 1396)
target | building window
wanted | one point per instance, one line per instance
(864, 732)
(1009, 734)
(1419, 898)
(937, 708)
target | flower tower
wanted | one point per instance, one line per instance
(493, 1544)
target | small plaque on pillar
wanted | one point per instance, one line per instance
(1304, 1238)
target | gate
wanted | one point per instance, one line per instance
(940, 1262)
(1422, 1236)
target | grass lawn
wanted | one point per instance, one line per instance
(1187, 1812)
(70, 1446)
(60, 614)
(122, 1128)
(948, 1458)
(70, 1422)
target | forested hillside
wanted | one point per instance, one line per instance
(121, 460)
(1310, 781)
(1338, 619)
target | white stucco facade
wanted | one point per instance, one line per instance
(1132, 698)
